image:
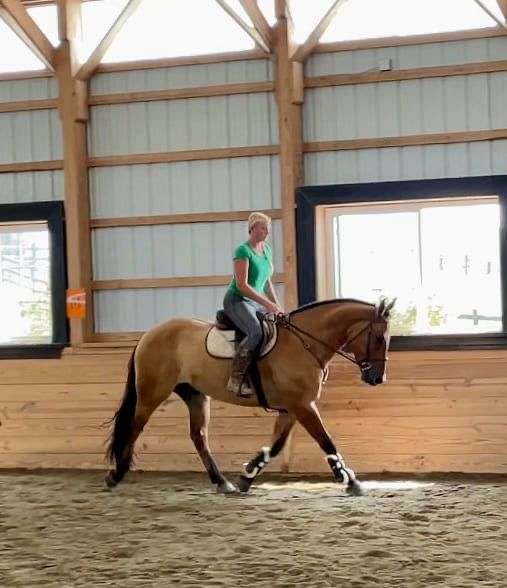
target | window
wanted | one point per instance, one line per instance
(438, 246)
(32, 280)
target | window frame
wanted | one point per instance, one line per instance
(310, 197)
(51, 213)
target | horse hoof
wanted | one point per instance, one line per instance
(354, 488)
(244, 484)
(109, 481)
(227, 487)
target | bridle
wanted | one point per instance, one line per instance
(283, 320)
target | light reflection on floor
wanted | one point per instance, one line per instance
(367, 485)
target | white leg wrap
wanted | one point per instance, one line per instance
(266, 456)
(335, 460)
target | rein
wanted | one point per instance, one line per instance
(283, 320)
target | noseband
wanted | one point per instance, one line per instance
(283, 320)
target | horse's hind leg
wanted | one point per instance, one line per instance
(311, 420)
(138, 404)
(283, 426)
(199, 410)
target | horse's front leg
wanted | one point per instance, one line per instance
(311, 420)
(254, 467)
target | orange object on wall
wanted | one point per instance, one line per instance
(76, 303)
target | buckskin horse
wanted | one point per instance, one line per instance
(172, 357)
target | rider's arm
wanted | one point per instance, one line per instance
(271, 293)
(241, 274)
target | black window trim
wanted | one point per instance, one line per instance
(53, 214)
(309, 197)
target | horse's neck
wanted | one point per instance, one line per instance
(330, 323)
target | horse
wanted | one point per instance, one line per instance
(172, 357)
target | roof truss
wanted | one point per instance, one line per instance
(309, 45)
(492, 14)
(261, 25)
(87, 69)
(17, 18)
(252, 31)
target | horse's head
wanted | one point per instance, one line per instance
(369, 343)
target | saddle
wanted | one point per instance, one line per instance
(223, 337)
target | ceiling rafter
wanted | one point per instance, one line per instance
(492, 14)
(17, 18)
(502, 4)
(261, 25)
(87, 69)
(305, 50)
(254, 34)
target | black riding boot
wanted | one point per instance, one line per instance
(238, 382)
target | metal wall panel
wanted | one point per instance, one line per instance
(183, 76)
(406, 57)
(435, 105)
(173, 125)
(192, 249)
(30, 136)
(406, 163)
(243, 183)
(30, 89)
(31, 187)
(138, 310)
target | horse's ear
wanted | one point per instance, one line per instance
(388, 308)
(380, 307)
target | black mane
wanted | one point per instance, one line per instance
(311, 305)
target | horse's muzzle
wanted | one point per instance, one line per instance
(372, 379)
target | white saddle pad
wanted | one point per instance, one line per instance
(220, 344)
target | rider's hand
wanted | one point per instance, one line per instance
(274, 308)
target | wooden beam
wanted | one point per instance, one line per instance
(251, 31)
(503, 7)
(180, 93)
(181, 218)
(131, 336)
(30, 166)
(17, 18)
(9, 76)
(88, 68)
(251, 7)
(380, 42)
(405, 141)
(176, 282)
(73, 115)
(291, 157)
(490, 13)
(190, 155)
(415, 73)
(24, 105)
(308, 46)
(164, 62)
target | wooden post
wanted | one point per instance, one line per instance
(289, 95)
(73, 111)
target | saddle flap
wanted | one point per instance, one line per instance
(220, 342)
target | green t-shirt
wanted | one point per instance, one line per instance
(260, 267)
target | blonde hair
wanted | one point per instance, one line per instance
(258, 217)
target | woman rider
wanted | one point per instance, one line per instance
(251, 290)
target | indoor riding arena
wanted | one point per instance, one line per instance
(137, 137)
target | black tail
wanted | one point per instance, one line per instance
(119, 451)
